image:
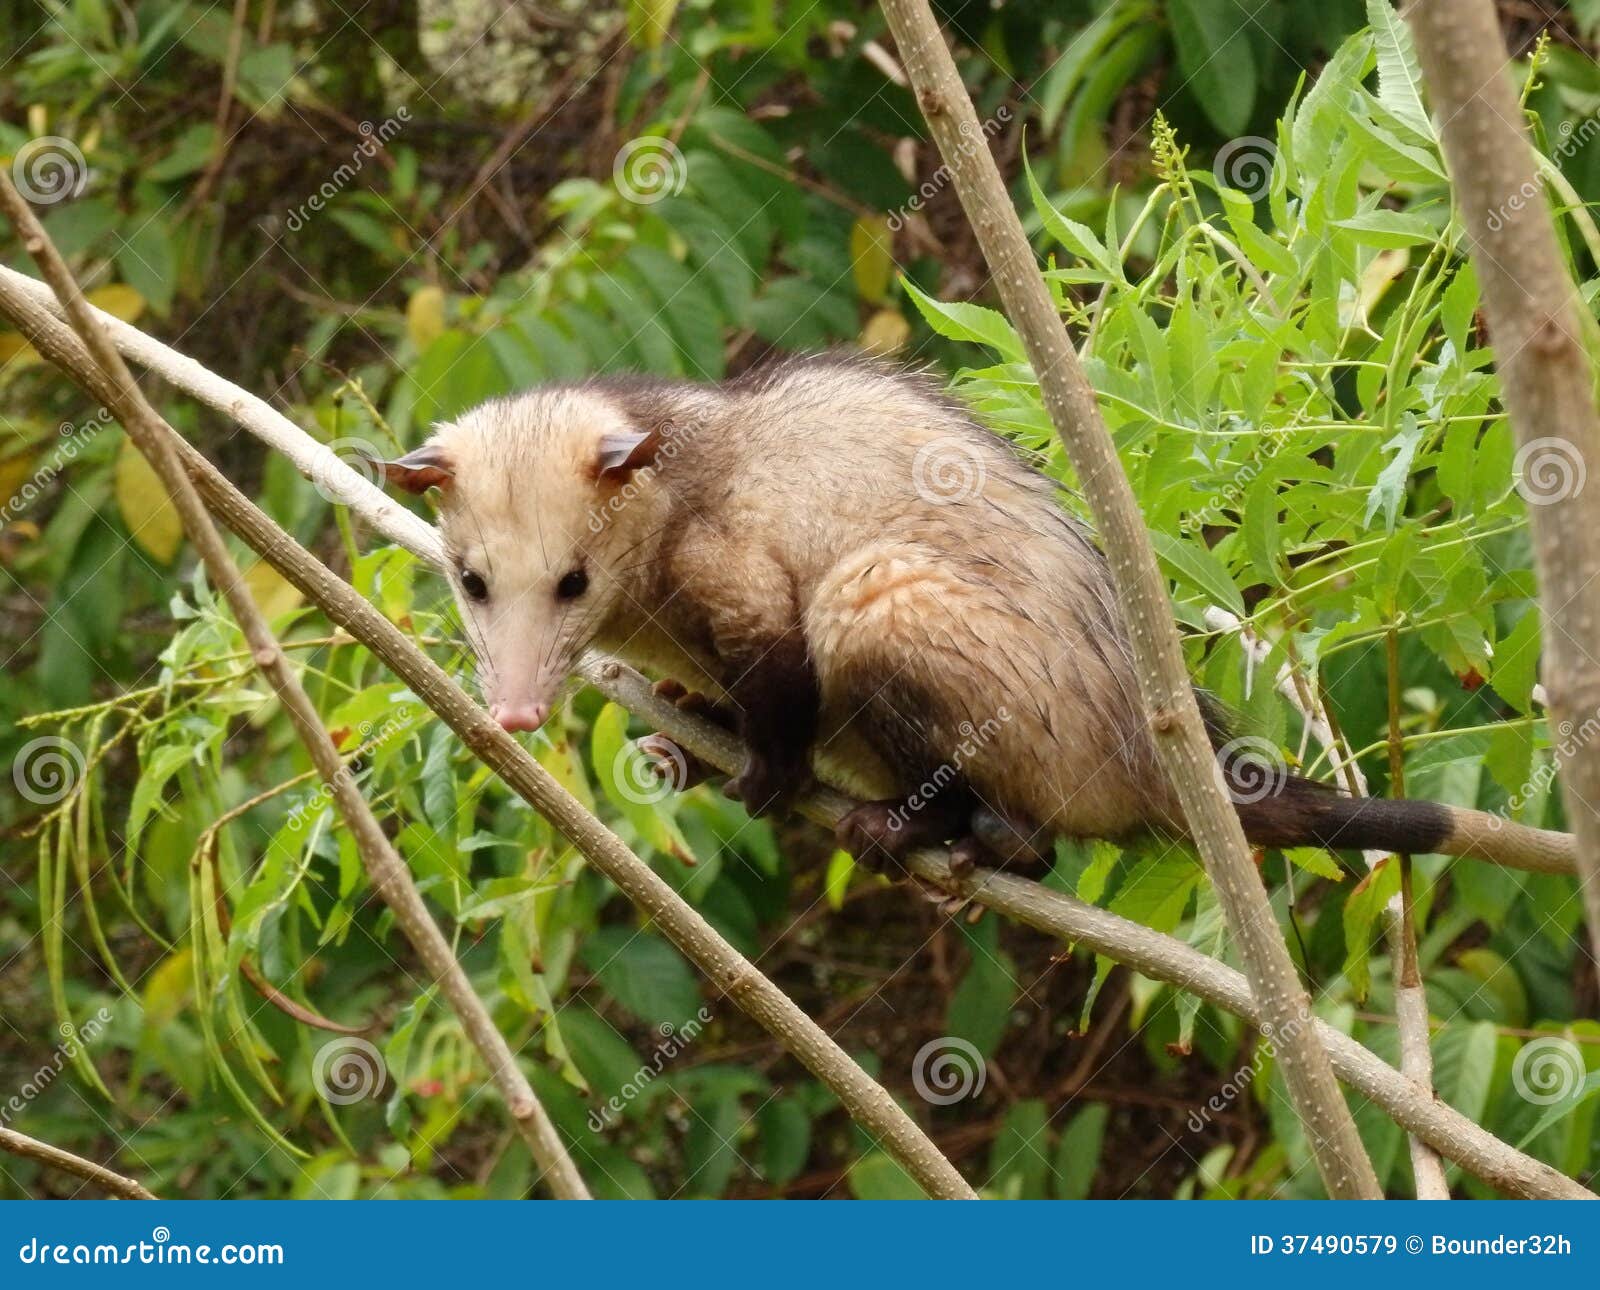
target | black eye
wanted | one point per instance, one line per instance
(473, 584)
(572, 585)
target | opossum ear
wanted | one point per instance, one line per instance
(420, 469)
(622, 454)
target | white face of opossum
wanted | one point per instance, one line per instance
(543, 504)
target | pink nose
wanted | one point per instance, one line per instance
(520, 716)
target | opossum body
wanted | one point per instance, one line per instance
(853, 565)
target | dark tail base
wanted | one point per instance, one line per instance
(1296, 812)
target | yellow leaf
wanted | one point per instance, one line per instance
(146, 509)
(425, 316)
(886, 331)
(167, 988)
(15, 352)
(14, 472)
(119, 300)
(648, 21)
(274, 594)
(872, 257)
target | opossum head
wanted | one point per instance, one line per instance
(548, 506)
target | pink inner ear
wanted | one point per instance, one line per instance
(418, 471)
(621, 454)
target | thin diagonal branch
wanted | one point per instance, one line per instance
(1181, 741)
(20, 1144)
(156, 441)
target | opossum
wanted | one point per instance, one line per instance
(841, 558)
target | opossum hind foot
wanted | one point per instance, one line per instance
(880, 834)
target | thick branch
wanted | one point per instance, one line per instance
(156, 441)
(20, 1144)
(1410, 996)
(1541, 355)
(1180, 736)
(866, 1101)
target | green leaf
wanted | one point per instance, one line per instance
(1399, 78)
(1077, 1154)
(1019, 1160)
(877, 1177)
(973, 323)
(644, 973)
(1362, 910)
(1212, 38)
(785, 1139)
(1386, 228)
(1195, 566)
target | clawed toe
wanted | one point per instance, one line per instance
(874, 834)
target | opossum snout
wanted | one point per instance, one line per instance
(520, 716)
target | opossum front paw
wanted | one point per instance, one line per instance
(767, 784)
(696, 703)
(875, 835)
(673, 764)
(966, 854)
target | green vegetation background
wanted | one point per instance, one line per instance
(392, 212)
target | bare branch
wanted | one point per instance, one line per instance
(1164, 685)
(20, 1144)
(156, 441)
(1541, 354)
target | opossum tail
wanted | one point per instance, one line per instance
(1289, 811)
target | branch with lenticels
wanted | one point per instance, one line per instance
(1157, 956)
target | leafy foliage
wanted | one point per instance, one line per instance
(1296, 381)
